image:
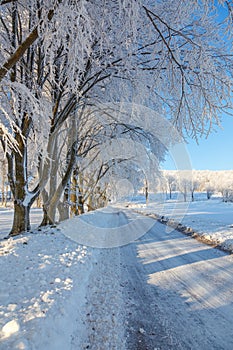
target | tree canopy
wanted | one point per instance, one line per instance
(62, 61)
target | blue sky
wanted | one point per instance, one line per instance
(213, 153)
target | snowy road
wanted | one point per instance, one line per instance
(165, 291)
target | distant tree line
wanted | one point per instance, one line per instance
(189, 183)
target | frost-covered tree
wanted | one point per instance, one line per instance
(171, 182)
(224, 184)
(110, 150)
(194, 185)
(208, 181)
(210, 185)
(61, 55)
(185, 183)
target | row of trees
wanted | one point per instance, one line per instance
(71, 72)
(190, 182)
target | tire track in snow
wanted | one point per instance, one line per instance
(105, 313)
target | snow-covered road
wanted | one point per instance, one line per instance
(191, 286)
(163, 291)
(169, 291)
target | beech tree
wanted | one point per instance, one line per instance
(60, 56)
(171, 181)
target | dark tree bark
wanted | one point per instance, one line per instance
(80, 203)
(21, 222)
(18, 179)
(73, 195)
(20, 51)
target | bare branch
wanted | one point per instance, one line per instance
(19, 52)
(4, 2)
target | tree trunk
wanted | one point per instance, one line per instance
(63, 210)
(45, 220)
(21, 222)
(3, 196)
(80, 201)
(90, 204)
(63, 206)
(146, 194)
(54, 201)
(146, 191)
(52, 212)
(4, 187)
(18, 179)
(73, 194)
(192, 196)
(80, 204)
(39, 202)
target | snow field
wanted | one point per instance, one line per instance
(212, 220)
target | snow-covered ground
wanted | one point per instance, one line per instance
(58, 294)
(53, 292)
(211, 219)
(39, 273)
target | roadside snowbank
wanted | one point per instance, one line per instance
(43, 279)
(211, 220)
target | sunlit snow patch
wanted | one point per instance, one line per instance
(9, 328)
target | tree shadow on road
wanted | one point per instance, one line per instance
(181, 293)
